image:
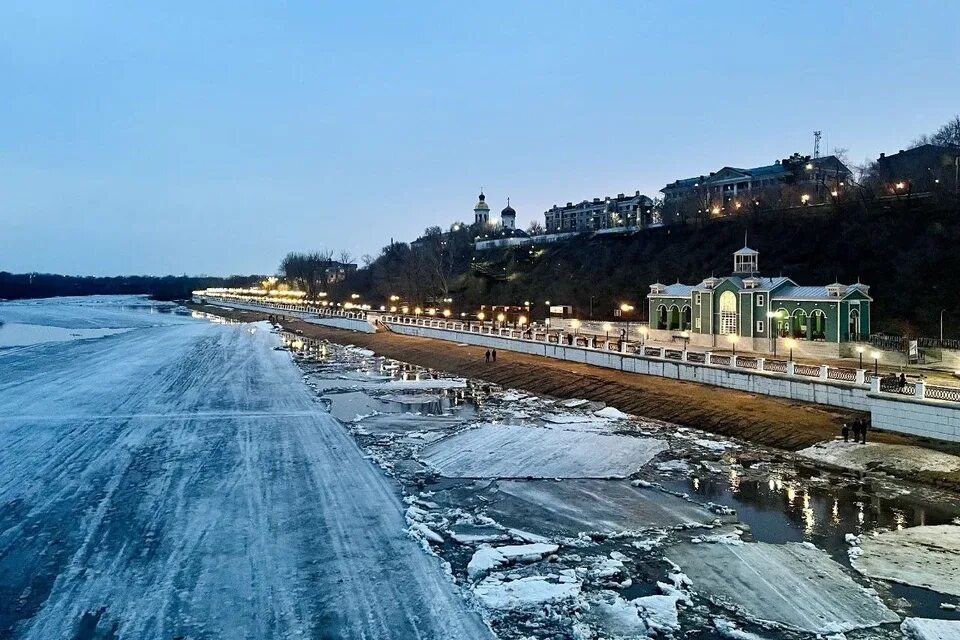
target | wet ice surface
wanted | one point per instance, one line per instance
(180, 480)
(484, 474)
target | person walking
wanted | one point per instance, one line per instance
(845, 432)
(494, 354)
(863, 433)
(902, 382)
(856, 430)
(488, 355)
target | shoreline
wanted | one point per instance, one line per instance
(762, 420)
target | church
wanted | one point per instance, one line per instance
(481, 214)
(759, 313)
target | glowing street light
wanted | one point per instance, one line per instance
(417, 311)
(522, 320)
(733, 338)
(791, 343)
(575, 325)
(805, 198)
(686, 338)
(355, 296)
(446, 313)
(606, 327)
(900, 185)
(860, 353)
(481, 316)
(644, 330)
(876, 362)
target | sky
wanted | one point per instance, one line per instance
(214, 137)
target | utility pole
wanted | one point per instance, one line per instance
(816, 144)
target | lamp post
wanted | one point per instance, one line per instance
(500, 319)
(860, 353)
(606, 327)
(625, 309)
(686, 339)
(643, 334)
(876, 363)
(771, 328)
(732, 337)
(791, 343)
(575, 325)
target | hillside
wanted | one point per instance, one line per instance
(909, 253)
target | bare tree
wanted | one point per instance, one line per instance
(345, 257)
(535, 228)
(948, 134)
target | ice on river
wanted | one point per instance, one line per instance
(929, 629)
(604, 506)
(794, 585)
(920, 556)
(498, 591)
(182, 480)
(501, 451)
(862, 457)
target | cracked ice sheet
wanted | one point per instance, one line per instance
(920, 556)
(494, 451)
(792, 585)
(566, 508)
(929, 629)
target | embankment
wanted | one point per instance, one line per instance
(762, 420)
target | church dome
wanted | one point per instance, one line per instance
(481, 204)
(508, 211)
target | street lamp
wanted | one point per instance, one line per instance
(686, 339)
(791, 343)
(643, 334)
(575, 325)
(446, 313)
(876, 363)
(606, 327)
(501, 318)
(625, 309)
(771, 328)
(481, 316)
(860, 354)
(732, 337)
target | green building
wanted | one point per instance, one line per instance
(758, 311)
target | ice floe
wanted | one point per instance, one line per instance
(499, 591)
(495, 451)
(929, 629)
(862, 457)
(920, 556)
(793, 585)
(487, 558)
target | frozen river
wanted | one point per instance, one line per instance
(176, 478)
(163, 476)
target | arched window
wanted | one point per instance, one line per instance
(728, 312)
(800, 324)
(855, 325)
(662, 317)
(818, 325)
(685, 317)
(674, 317)
(783, 322)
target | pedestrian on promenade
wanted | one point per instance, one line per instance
(863, 433)
(494, 353)
(488, 355)
(845, 432)
(902, 382)
(856, 430)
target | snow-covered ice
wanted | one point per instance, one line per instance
(180, 479)
(862, 457)
(505, 451)
(929, 629)
(793, 585)
(487, 558)
(571, 506)
(920, 556)
(498, 591)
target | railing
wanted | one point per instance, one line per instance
(951, 394)
(888, 384)
(892, 384)
(775, 366)
(847, 375)
(806, 370)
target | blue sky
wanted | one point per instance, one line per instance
(214, 137)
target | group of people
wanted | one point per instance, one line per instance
(859, 429)
(491, 354)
